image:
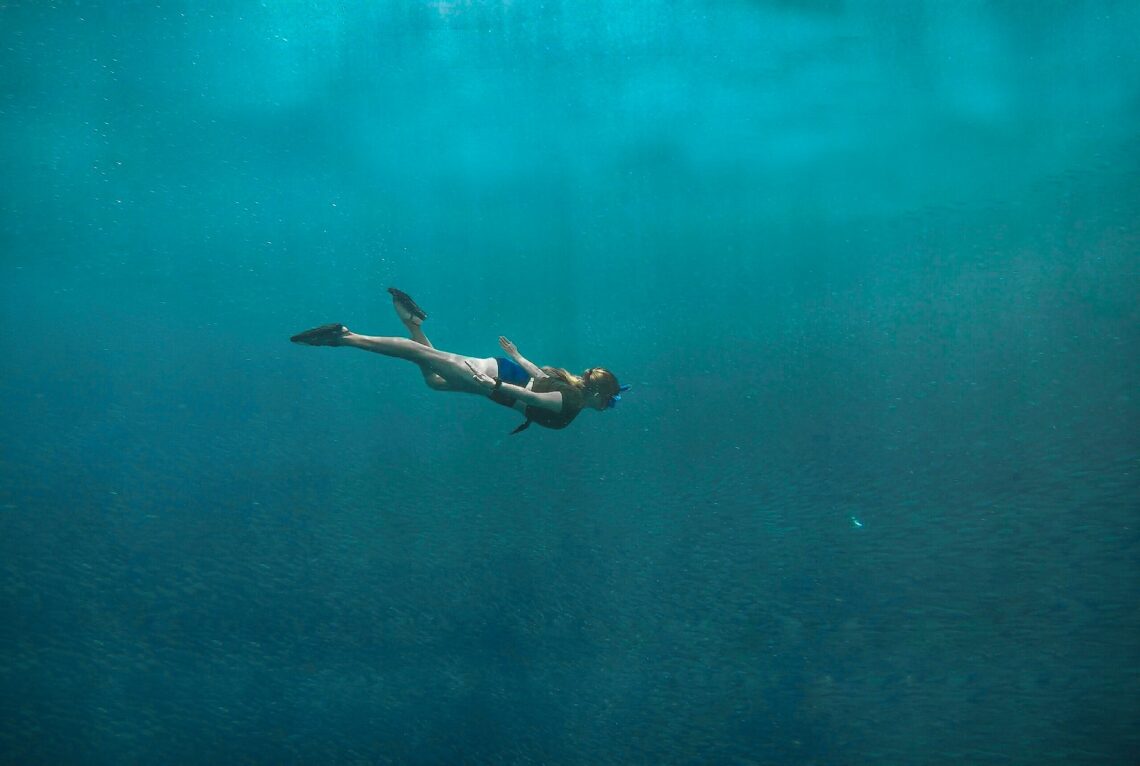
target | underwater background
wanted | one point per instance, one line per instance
(871, 269)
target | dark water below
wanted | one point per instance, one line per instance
(872, 270)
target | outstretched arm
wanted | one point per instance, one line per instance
(513, 352)
(550, 400)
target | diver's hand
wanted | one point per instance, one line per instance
(480, 377)
(511, 349)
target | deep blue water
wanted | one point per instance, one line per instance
(872, 269)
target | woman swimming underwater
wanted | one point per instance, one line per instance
(549, 396)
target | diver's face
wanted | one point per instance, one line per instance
(597, 390)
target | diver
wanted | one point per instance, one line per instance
(549, 396)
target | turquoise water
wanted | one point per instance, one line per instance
(871, 269)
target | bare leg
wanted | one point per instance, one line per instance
(450, 369)
(442, 371)
(415, 332)
(414, 325)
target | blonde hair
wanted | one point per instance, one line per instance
(597, 378)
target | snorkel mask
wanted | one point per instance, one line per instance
(613, 402)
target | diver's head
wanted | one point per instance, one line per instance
(601, 388)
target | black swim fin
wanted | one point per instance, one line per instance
(325, 335)
(405, 301)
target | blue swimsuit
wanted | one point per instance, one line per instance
(511, 372)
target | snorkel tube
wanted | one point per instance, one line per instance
(613, 402)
